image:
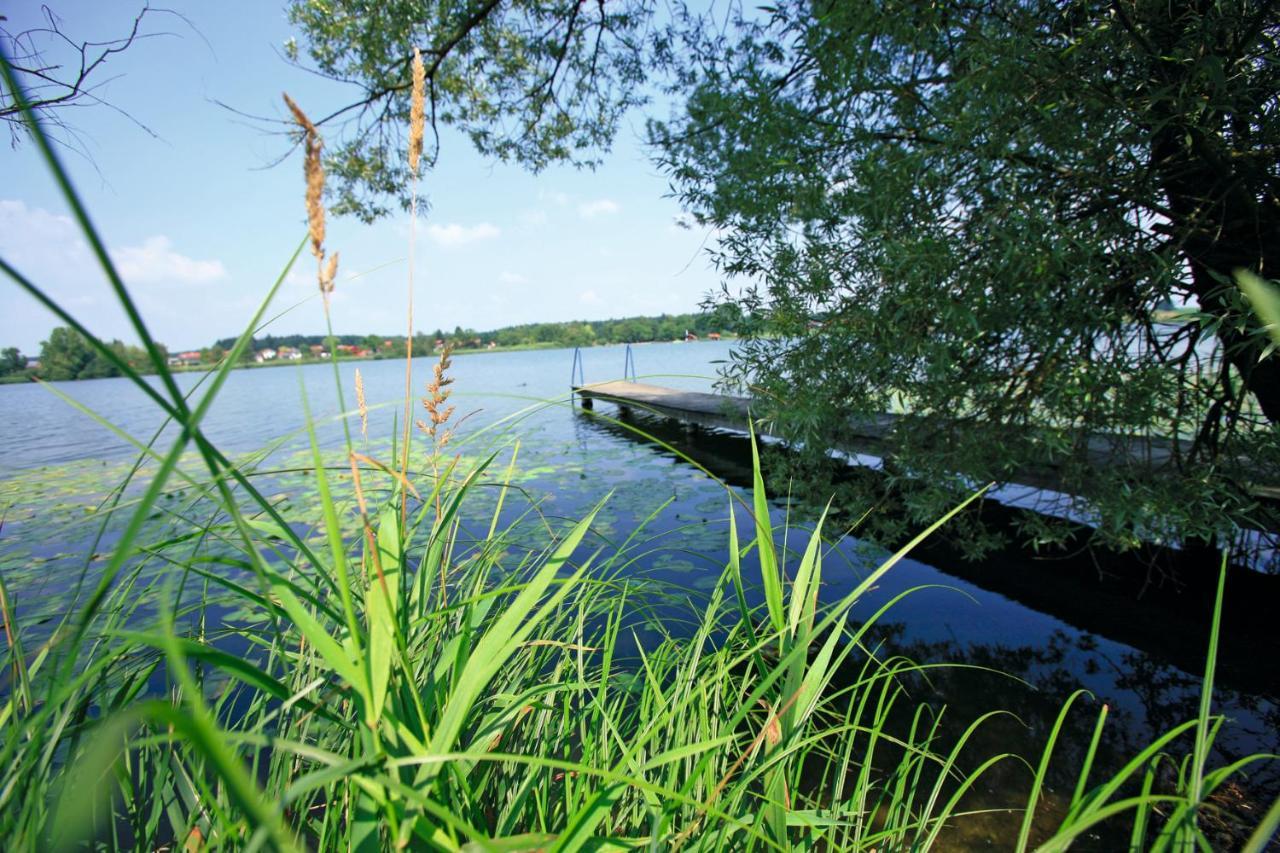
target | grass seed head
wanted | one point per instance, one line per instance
(314, 170)
(437, 394)
(361, 404)
(417, 112)
(328, 275)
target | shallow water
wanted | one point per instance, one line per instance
(55, 461)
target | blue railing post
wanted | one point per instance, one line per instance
(576, 379)
(629, 366)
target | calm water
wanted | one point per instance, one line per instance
(572, 459)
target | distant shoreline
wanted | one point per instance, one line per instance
(27, 377)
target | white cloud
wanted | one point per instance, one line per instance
(512, 278)
(33, 237)
(533, 217)
(30, 236)
(560, 199)
(454, 234)
(155, 261)
(599, 207)
(589, 297)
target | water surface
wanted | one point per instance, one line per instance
(570, 460)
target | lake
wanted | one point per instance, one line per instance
(55, 461)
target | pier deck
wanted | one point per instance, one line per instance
(864, 436)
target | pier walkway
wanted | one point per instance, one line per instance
(864, 436)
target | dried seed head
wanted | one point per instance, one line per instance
(314, 170)
(328, 275)
(417, 112)
(298, 115)
(315, 196)
(437, 394)
(362, 405)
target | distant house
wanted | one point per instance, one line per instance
(184, 359)
(264, 355)
(289, 353)
(689, 337)
(318, 351)
(714, 336)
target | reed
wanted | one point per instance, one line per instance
(409, 686)
(417, 121)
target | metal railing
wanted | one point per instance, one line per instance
(577, 377)
(575, 372)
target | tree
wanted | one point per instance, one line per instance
(11, 361)
(529, 81)
(968, 212)
(64, 355)
(61, 71)
(577, 335)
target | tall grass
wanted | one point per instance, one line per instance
(410, 686)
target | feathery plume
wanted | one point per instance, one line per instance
(362, 405)
(314, 170)
(417, 112)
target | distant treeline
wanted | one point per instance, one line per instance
(665, 327)
(66, 355)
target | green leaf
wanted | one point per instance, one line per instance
(382, 605)
(770, 574)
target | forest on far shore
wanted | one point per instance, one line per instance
(66, 355)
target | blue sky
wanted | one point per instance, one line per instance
(201, 226)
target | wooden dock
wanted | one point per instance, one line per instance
(718, 411)
(866, 436)
(710, 410)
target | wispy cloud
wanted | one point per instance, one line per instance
(533, 217)
(599, 207)
(589, 297)
(155, 261)
(454, 234)
(512, 278)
